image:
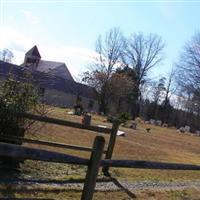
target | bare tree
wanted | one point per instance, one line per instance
(188, 67)
(6, 55)
(109, 50)
(158, 90)
(188, 74)
(142, 53)
(169, 87)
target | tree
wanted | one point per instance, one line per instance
(142, 53)
(120, 87)
(158, 90)
(167, 108)
(157, 93)
(109, 50)
(188, 74)
(6, 55)
(189, 65)
(130, 76)
(169, 89)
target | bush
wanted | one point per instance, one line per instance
(111, 119)
(123, 117)
(15, 97)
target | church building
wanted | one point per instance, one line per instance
(53, 79)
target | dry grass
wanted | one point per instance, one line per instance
(187, 194)
(162, 144)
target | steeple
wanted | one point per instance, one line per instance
(32, 56)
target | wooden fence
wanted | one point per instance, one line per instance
(95, 161)
(112, 132)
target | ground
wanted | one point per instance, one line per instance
(161, 144)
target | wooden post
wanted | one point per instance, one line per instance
(93, 168)
(111, 145)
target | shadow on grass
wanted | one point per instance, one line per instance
(11, 178)
(9, 192)
(24, 199)
(118, 184)
(17, 180)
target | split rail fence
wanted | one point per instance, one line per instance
(95, 161)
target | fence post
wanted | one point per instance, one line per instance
(111, 145)
(93, 168)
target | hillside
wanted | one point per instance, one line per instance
(161, 144)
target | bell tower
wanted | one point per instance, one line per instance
(32, 57)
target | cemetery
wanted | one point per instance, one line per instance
(99, 100)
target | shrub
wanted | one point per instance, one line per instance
(123, 117)
(15, 97)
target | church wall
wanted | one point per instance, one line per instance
(61, 99)
(57, 98)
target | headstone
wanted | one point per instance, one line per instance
(198, 133)
(86, 120)
(152, 121)
(138, 120)
(158, 122)
(182, 129)
(130, 124)
(70, 113)
(147, 122)
(165, 125)
(187, 129)
(121, 133)
(102, 126)
(133, 125)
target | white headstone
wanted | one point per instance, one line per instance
(187, 129)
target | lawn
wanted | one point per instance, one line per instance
(161, 144)
(188, 194)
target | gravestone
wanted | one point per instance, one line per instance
(182, 129)
(86, 120)
(198, 133)
(158, 122)
(165, 125)
(130, 124)
(152, 121)
(187, 129)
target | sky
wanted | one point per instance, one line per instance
(67, 30)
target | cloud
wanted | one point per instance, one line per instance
(30, 17)
(76, 58)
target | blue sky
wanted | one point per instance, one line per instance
(67, 30)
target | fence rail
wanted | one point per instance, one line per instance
(64, 122)
(112, 131)
(23, 153)
(143, 164)
(16, 151)
(47, 143)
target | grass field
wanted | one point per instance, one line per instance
(161, 144)
(188, 194)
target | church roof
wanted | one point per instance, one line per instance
(33, 52)
(54, 68)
